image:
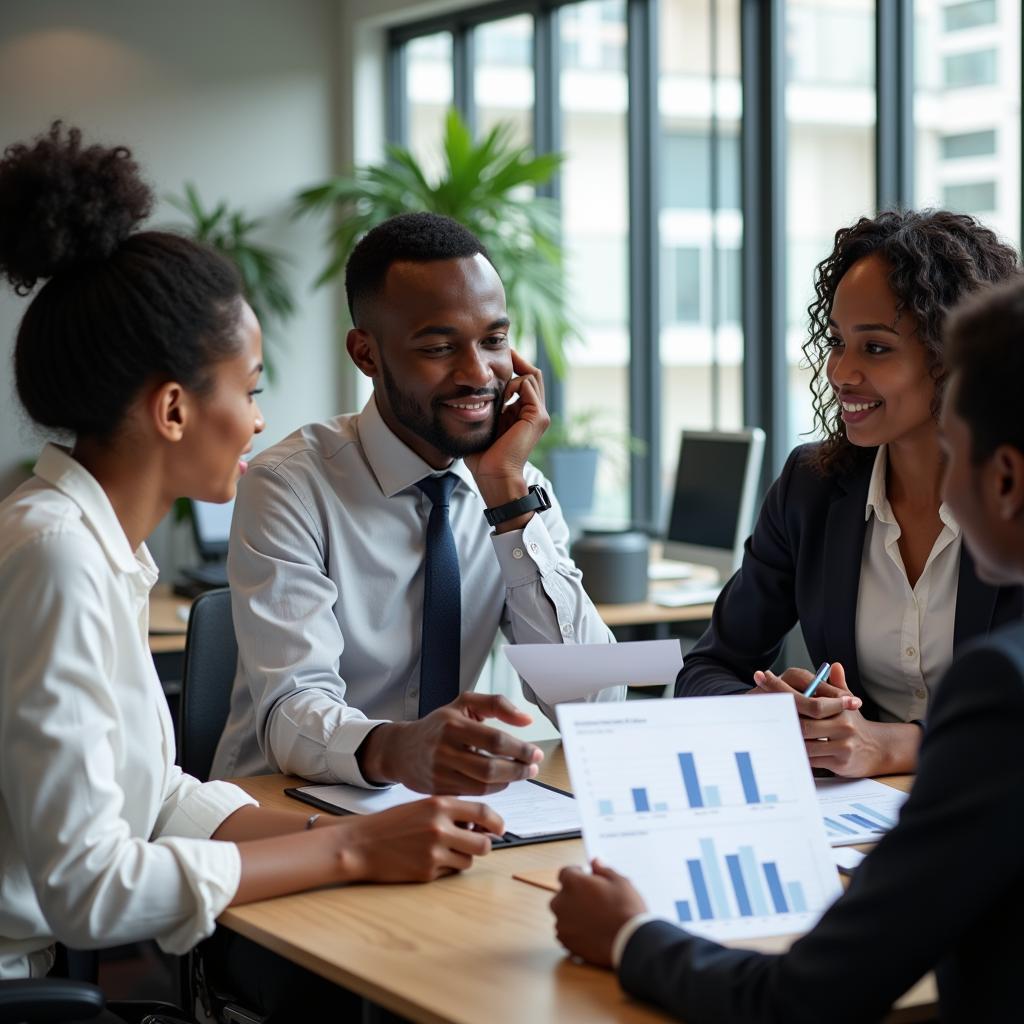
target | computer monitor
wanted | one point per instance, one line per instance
(713, 501)
(211, 526)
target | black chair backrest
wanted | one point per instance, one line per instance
(211, 653)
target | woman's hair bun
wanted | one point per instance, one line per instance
(63, 205)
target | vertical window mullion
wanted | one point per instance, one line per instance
(547, 138)
(763, 155)
(396, 112)
(894, 85)
(463, 67)
(644, 275)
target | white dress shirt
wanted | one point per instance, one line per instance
(326, 569)
(904, 634)
(103, 840)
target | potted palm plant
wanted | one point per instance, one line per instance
(262, 269)
(489, 186)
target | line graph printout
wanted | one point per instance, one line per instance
(708, 805)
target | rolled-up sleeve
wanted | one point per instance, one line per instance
(83, 837)
(545, 602)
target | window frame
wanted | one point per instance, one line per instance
(762, 186)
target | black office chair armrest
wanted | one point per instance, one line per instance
(46, 1000)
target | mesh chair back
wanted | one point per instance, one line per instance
(211, 653)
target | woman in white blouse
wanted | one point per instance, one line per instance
(141, 348)
(853, 540)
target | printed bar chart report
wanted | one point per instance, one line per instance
(709, 807)
(858, 810)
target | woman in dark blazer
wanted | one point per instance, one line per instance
(944, 890)
(853, 541)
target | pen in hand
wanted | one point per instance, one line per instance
(820, 676)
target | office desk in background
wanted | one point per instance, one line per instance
(472, 947)
(167, 629)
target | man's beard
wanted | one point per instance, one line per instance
(429, 428)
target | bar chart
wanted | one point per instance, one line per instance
(747, 887)
(857, 810)
(708, 805)
(693, 792)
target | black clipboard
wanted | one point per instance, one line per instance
(500, 843)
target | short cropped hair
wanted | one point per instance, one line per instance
(985, 348)
(418, 237)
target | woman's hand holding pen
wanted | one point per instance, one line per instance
(837, 736)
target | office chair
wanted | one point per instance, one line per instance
(44, 1000)
(211, 653)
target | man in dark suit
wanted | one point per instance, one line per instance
(944, 890)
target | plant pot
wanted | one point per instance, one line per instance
(573, 474)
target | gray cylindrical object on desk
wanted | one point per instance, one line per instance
(614, 565)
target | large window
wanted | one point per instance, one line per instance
(700, 225)
(592, 91)
(830, 158)
(967, 110)
(647, 101)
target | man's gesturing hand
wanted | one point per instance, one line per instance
(451, 750)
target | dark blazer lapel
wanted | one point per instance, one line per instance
(975, 602)
(844, 546)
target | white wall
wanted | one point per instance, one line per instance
(242, 97)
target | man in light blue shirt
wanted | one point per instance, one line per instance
(367, 583)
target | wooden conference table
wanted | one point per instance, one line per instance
(472, 947)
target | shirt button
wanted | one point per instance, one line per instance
(567, 629)
(920, 694)
(911, 652)
(517, 552)
(534, 548)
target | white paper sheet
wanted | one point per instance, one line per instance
(708, 806)
(858, 810)
(528, 810)
(558, 672)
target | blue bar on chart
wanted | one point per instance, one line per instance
(661, 806)
(605, 807)
(683, 911)
(857, 819)
(739, 887)
(690, 780)
(869, 812)
(640, 800)
(712, 797)
(836, 826)
(746, 769)
(771, 874)
(713, 874)
(700, 890)
(752, 880)
(796, 897)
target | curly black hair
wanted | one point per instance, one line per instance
(985, 349)
(120, 308)
(419, 237)
(935, 258)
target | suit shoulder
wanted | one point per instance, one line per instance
(1006, 642)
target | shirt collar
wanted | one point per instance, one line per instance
(57, 467)
(395, 465)
(878, 498)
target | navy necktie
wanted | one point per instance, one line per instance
(441, 641)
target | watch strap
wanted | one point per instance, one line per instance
(535, 500)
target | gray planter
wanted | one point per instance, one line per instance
(573, 474)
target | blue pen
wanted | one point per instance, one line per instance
(820, 677)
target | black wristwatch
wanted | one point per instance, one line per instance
(535, 500)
